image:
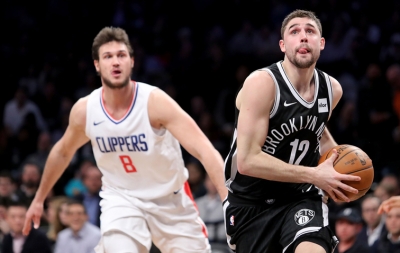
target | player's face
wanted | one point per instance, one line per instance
(114, 65)
(302, 42)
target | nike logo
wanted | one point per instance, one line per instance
(286, 104)
(97, 123)
(176, 192)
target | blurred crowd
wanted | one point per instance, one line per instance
(199, 52)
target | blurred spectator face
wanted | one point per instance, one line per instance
(114, 64)
(393, 221)
(63, 214)
(6, 187)
(85, 165)
(31, 176)
(393, 75)
(77, 217)
(382, 191)
(16, 218)
(292, 42)
(369, 209)
(21, 96)
(347, 231)
(55, 208)
(92, 179)
(44, 141)
(391, 181)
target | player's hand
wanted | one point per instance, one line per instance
(34, 214)
(389, 204)
(329, 180)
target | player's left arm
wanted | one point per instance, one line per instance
(327, 141)
(165, 112)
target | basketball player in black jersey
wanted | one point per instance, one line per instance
(277, 191)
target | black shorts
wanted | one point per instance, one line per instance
(272, 226)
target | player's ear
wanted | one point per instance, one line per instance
(96, 65)
(322, 43)
(132, 62)
(282, 46)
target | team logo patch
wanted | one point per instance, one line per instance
(361, 158)
(304, 216)
(270, 201)
(322, 105)
(232, 220)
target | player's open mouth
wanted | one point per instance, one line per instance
(116, 72)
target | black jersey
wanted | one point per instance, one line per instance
(295, 130)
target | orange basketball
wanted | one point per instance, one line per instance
(353, 161)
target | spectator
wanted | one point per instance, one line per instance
(90, 198)
(392, 180)
(7, 186)
(30, 179)
(375, 223)
(389, 241)
(42, 150)
(81, 236)
(384, 191)
(212, 214)
(14, 241)
(196, 178)
(26, 138)
(4, 227)
(393, 76)
(75, 186)
(348, 225)
(6, 152)
(17, 108)
(57, 217)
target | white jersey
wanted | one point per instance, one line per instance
(142, 161)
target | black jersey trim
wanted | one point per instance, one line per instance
(277, 93)
(330, 93)
(231, 163)
(299, 98)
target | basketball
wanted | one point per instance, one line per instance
(353, 161)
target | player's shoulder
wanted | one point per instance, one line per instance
(80, 105)
(78, 111)
(258, 79)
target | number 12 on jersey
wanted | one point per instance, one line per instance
(127, 163)
(302, 147)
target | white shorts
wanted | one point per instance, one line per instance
(171, 222)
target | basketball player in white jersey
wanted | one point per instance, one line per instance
(135, 130)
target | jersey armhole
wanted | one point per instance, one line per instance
(277, 93)
(330, 93)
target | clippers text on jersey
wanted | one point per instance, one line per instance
(133, 143)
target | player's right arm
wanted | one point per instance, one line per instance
(58, 160)
(255, 102)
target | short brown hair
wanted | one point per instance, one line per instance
(108, 34)
(300, 14)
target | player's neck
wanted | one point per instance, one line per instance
(301, 79)
(116, 99)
